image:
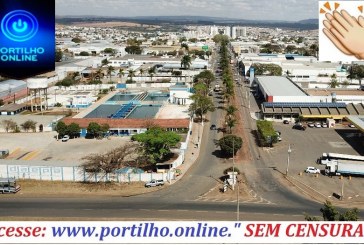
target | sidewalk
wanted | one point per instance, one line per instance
(193, 151)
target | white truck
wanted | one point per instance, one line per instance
(344, 167)
(329, 157)
(154, 183)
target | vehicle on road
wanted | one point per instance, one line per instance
(344, 167)
(154, 183)
(311, 124)
(213, 127)
(8, 186)
(317, 125)
(285, 122)
(299, 127)
(312, 170)
(328, 157)
(65, 138)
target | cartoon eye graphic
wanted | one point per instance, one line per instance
(19, 25)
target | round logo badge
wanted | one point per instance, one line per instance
(19, 25)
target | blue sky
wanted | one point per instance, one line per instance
(291, 10)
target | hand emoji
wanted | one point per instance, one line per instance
(346, 33)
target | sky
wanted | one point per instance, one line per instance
(290, 10)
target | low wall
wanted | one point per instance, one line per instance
(77, 174)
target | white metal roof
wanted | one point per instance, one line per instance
(279, 86)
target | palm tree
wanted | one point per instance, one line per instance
(99, 73)
(110, 69)
(131, 74)
(141, 72)
(185, 46)
(231, 122)
(186, 62)
(151, 73)
(230, 110)
(121, 74)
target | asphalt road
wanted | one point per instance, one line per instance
(180, 201)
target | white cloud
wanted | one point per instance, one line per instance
(243, 9)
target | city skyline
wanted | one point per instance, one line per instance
(239, 9)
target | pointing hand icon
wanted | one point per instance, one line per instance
(20, 26)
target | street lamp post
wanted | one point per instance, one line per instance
(238, 204)
(289, 152)
(233, 164)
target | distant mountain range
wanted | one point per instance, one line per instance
(183, 20)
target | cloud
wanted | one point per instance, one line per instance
(242, 9)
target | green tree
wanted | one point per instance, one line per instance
(76, 40)
(201, 105)
(61, 129)
(141, 72)
(151, 73)
(29, 125)
(266, 69)
(186, 62)
(2, 102)
(333, 81)
(185, 46)
(9, 124)
(59, 55)
(133, 49)
(156, 143)
(356, 72)
(84, 53)
(93, 129)
(206, 77)
(345, 83)
(73, 130)
(201, 89)
(104, 62)
(329, 213)
(121, 74)
(110, 69)
(231, 122)
(230, 110)
(131, 74)
(230, 144)
(267, 134)
(109, 51)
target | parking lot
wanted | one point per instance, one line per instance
(306, 146)
(36, 148)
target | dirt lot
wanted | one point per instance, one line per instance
(43, 146)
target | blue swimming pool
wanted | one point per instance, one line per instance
(145, 111)
(122, 97)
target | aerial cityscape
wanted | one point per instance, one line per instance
(216, 110)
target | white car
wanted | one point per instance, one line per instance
(312, 170)
(324, 125)
(311, 124)
(351, 125)
(317, 125)
(65, 138)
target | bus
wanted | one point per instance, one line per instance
(329, 157)
(8, 185)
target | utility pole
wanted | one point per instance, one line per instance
(289, 152)
(233, 164)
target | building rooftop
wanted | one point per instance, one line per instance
(130, 123)
(328, 92)
(279, 86)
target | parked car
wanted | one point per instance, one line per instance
(312, 170)
(324, 125)
(317, 125)
(351, 125)
(213, 127)
(299, 127)
(65, 138)
(311, 124)
(285, 121)
(154, 183)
